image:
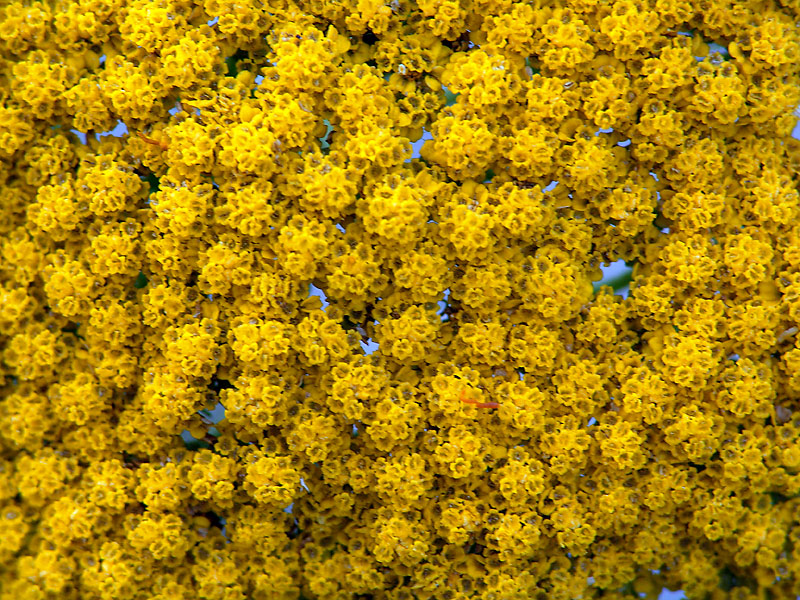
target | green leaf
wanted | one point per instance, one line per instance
(728, 579)
(73, 329)
(617, 282)
(153, 181)
(348, 323)
(233, 69)
(197, 445)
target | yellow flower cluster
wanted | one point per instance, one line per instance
(321, 317)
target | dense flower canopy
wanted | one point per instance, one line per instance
(182, 416)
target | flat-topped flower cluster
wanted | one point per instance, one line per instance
(181, 418)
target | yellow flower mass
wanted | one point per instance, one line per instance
(302, 299)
